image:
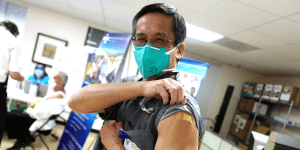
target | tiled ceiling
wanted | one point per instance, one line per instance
(273, 26)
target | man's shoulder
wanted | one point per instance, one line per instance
(6, 35)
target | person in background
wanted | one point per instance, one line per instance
(39, 75)
(9, 65)
(192, 91)
(154, 112)
(20, 122)
(106, 69)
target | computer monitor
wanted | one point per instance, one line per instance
(42, 88)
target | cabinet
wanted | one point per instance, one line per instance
(256, 116)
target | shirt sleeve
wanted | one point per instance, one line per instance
(15, 56)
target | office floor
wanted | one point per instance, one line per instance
(51, 142)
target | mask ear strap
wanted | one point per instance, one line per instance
(169, 52)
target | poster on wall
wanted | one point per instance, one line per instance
(191, 75)
(103, 65)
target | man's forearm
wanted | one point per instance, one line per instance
(97, 97)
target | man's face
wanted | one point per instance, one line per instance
(154, 24)
(57, 78)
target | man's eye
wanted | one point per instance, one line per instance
(159, 40)
(141, 39)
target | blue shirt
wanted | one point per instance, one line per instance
(42, 81)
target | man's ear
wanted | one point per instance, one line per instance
(180, 51)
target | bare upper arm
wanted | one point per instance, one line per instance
(178, 131)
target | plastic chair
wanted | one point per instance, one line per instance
(39, 132)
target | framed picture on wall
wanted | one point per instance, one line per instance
(45, 49)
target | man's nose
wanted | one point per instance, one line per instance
(149, 41)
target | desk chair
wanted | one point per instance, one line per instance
(39, 132)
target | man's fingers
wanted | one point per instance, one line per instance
(164, 94)
(184, 101)
(168, 85)
(119, 125)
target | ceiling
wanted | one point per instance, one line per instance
(272, 26)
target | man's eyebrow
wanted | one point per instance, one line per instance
(158, 33)
(161, 33)
(140, 34)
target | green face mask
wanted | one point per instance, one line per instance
(152, 60)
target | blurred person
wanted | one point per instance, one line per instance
(9, 65)
(20, 122)
(154, 111)
(106, 68)
(192, 91)
(39, 75)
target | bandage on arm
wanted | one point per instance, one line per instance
(176, 132)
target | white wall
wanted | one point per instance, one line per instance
(229, 75)
(54, 24)
(207, 90)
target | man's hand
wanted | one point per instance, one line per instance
(21, 78)
(163, 89)
(24, 112)
(16, 76)
(109, 135)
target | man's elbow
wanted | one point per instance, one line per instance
(74, 104)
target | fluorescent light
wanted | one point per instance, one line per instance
(201, 34)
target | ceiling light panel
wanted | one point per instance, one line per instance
(202, 34)
(235, 45)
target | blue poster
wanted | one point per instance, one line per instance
(115, 43)
(192, 74)
(76, 131)
(103, 65)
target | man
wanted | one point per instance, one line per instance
(20, 122)
(9, 57)
(141, 108)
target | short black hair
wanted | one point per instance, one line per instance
(178, 26)
(11, 27)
